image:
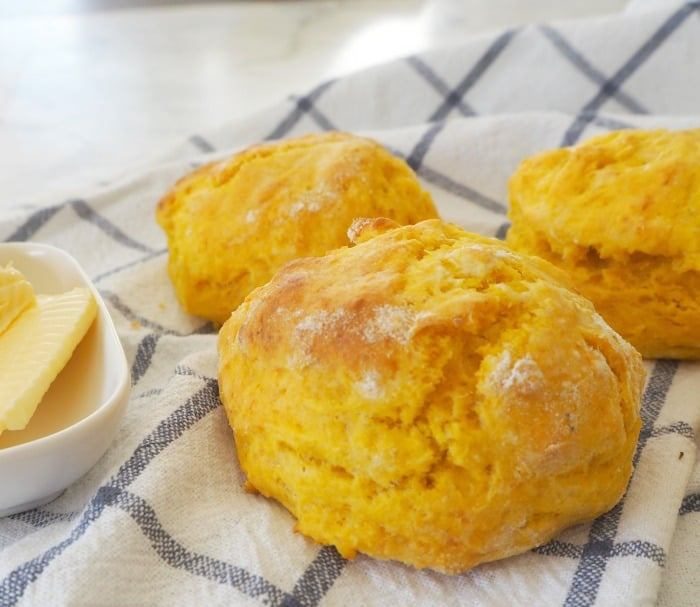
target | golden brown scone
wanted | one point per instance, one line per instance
(621, 214)
(429, 396)
(231, 225)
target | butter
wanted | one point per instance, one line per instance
(16, 295)
(35, 347)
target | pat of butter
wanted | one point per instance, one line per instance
(35, 348)
(16, 295)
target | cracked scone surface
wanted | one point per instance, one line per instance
(231, 225)
(429, 396)
(621, 214)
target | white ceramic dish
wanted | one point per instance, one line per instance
(80, 414)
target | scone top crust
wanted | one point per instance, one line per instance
(430, 396)
(621, 193)
(353, 307)
(328, 149)
(232, 224)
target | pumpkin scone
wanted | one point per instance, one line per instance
(231, 225)
(428, 395)
(621, 215)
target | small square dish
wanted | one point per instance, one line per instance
(80, 414)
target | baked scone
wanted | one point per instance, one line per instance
(231, 225)
(429, 396)
(621, 214)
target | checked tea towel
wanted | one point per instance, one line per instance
(162, 518)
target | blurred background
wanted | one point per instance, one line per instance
(94, 89)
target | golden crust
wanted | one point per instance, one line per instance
(232, 224)
(621, 215)
(447, 402)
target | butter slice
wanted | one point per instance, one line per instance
(36, 347)
(16, 295)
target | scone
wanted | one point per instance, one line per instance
(621, 214)
(231, 225)
(429, 396)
